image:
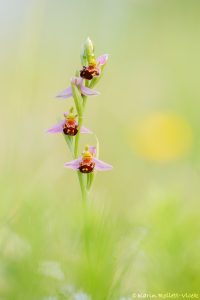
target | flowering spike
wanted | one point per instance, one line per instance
(71, 125)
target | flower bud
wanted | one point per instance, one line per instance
(88, 52)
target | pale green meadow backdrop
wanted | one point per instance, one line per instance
(144, 227)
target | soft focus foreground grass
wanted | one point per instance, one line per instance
(142, 233)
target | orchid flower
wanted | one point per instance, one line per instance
(68, 126)
(94, 68)
(87, 163)
(78, 81)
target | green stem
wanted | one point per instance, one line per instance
(84, 191)
(77, 138)
(84, 101)
(83, 184)
(87, 83)
(80, 123)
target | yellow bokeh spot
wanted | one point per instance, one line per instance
(162, 137)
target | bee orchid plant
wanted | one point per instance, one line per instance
(72, 125)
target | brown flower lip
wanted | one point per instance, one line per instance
(70, 127)
(87, 165)
(89, 72)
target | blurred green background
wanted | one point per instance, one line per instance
(143, 227)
